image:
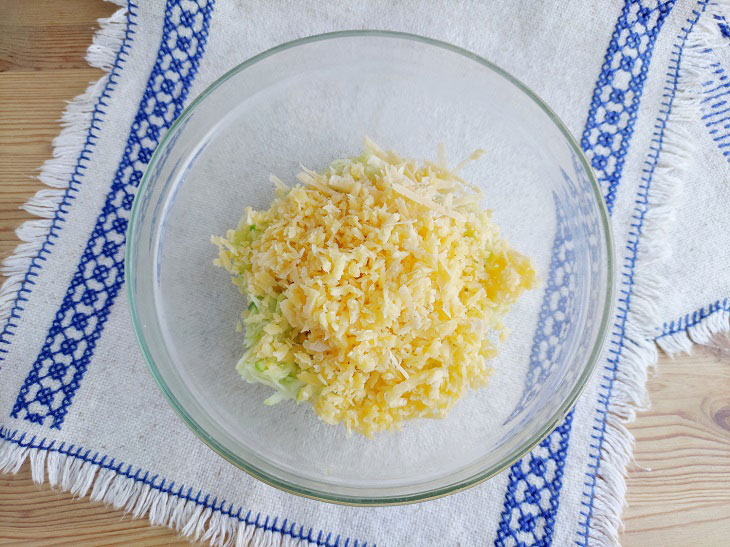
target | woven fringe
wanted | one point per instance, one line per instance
(701, 333)
(192, 520)
(708, 35)
(640, 355)
(57, 171)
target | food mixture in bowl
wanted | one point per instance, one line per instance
(376, 290)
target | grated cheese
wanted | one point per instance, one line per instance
(372, 289)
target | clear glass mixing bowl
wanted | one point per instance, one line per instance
(309, 102)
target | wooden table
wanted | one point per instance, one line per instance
(678, 489)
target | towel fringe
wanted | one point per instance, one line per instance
(702, 333)
(640, 351)
(193, 519)
(707, 35)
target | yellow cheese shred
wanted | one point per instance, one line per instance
(374, 289)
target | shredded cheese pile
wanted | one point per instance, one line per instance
(374, 290)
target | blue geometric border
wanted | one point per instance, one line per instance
(605, 141)
(97, 119)
(617, 95)
(528, 516)
(60, 366)
(618, 336)
(550, 333)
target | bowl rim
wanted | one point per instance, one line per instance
(386, 500)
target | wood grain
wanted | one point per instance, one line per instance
(47, 34)
(678, 490)
(35, 513)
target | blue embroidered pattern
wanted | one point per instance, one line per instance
(181, 492)
(533, 494)
(616, 98)
(552, 322)
(696, 317)
(533, 491)
(716, 109)
(724, 27)
(618, 336)
(562, 295)
(715, 106)
(57, 372)
(97, 118)
(529, 513)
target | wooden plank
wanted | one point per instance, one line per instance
(679, 489)
(47, 34)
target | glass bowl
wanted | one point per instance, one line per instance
(311, 101)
